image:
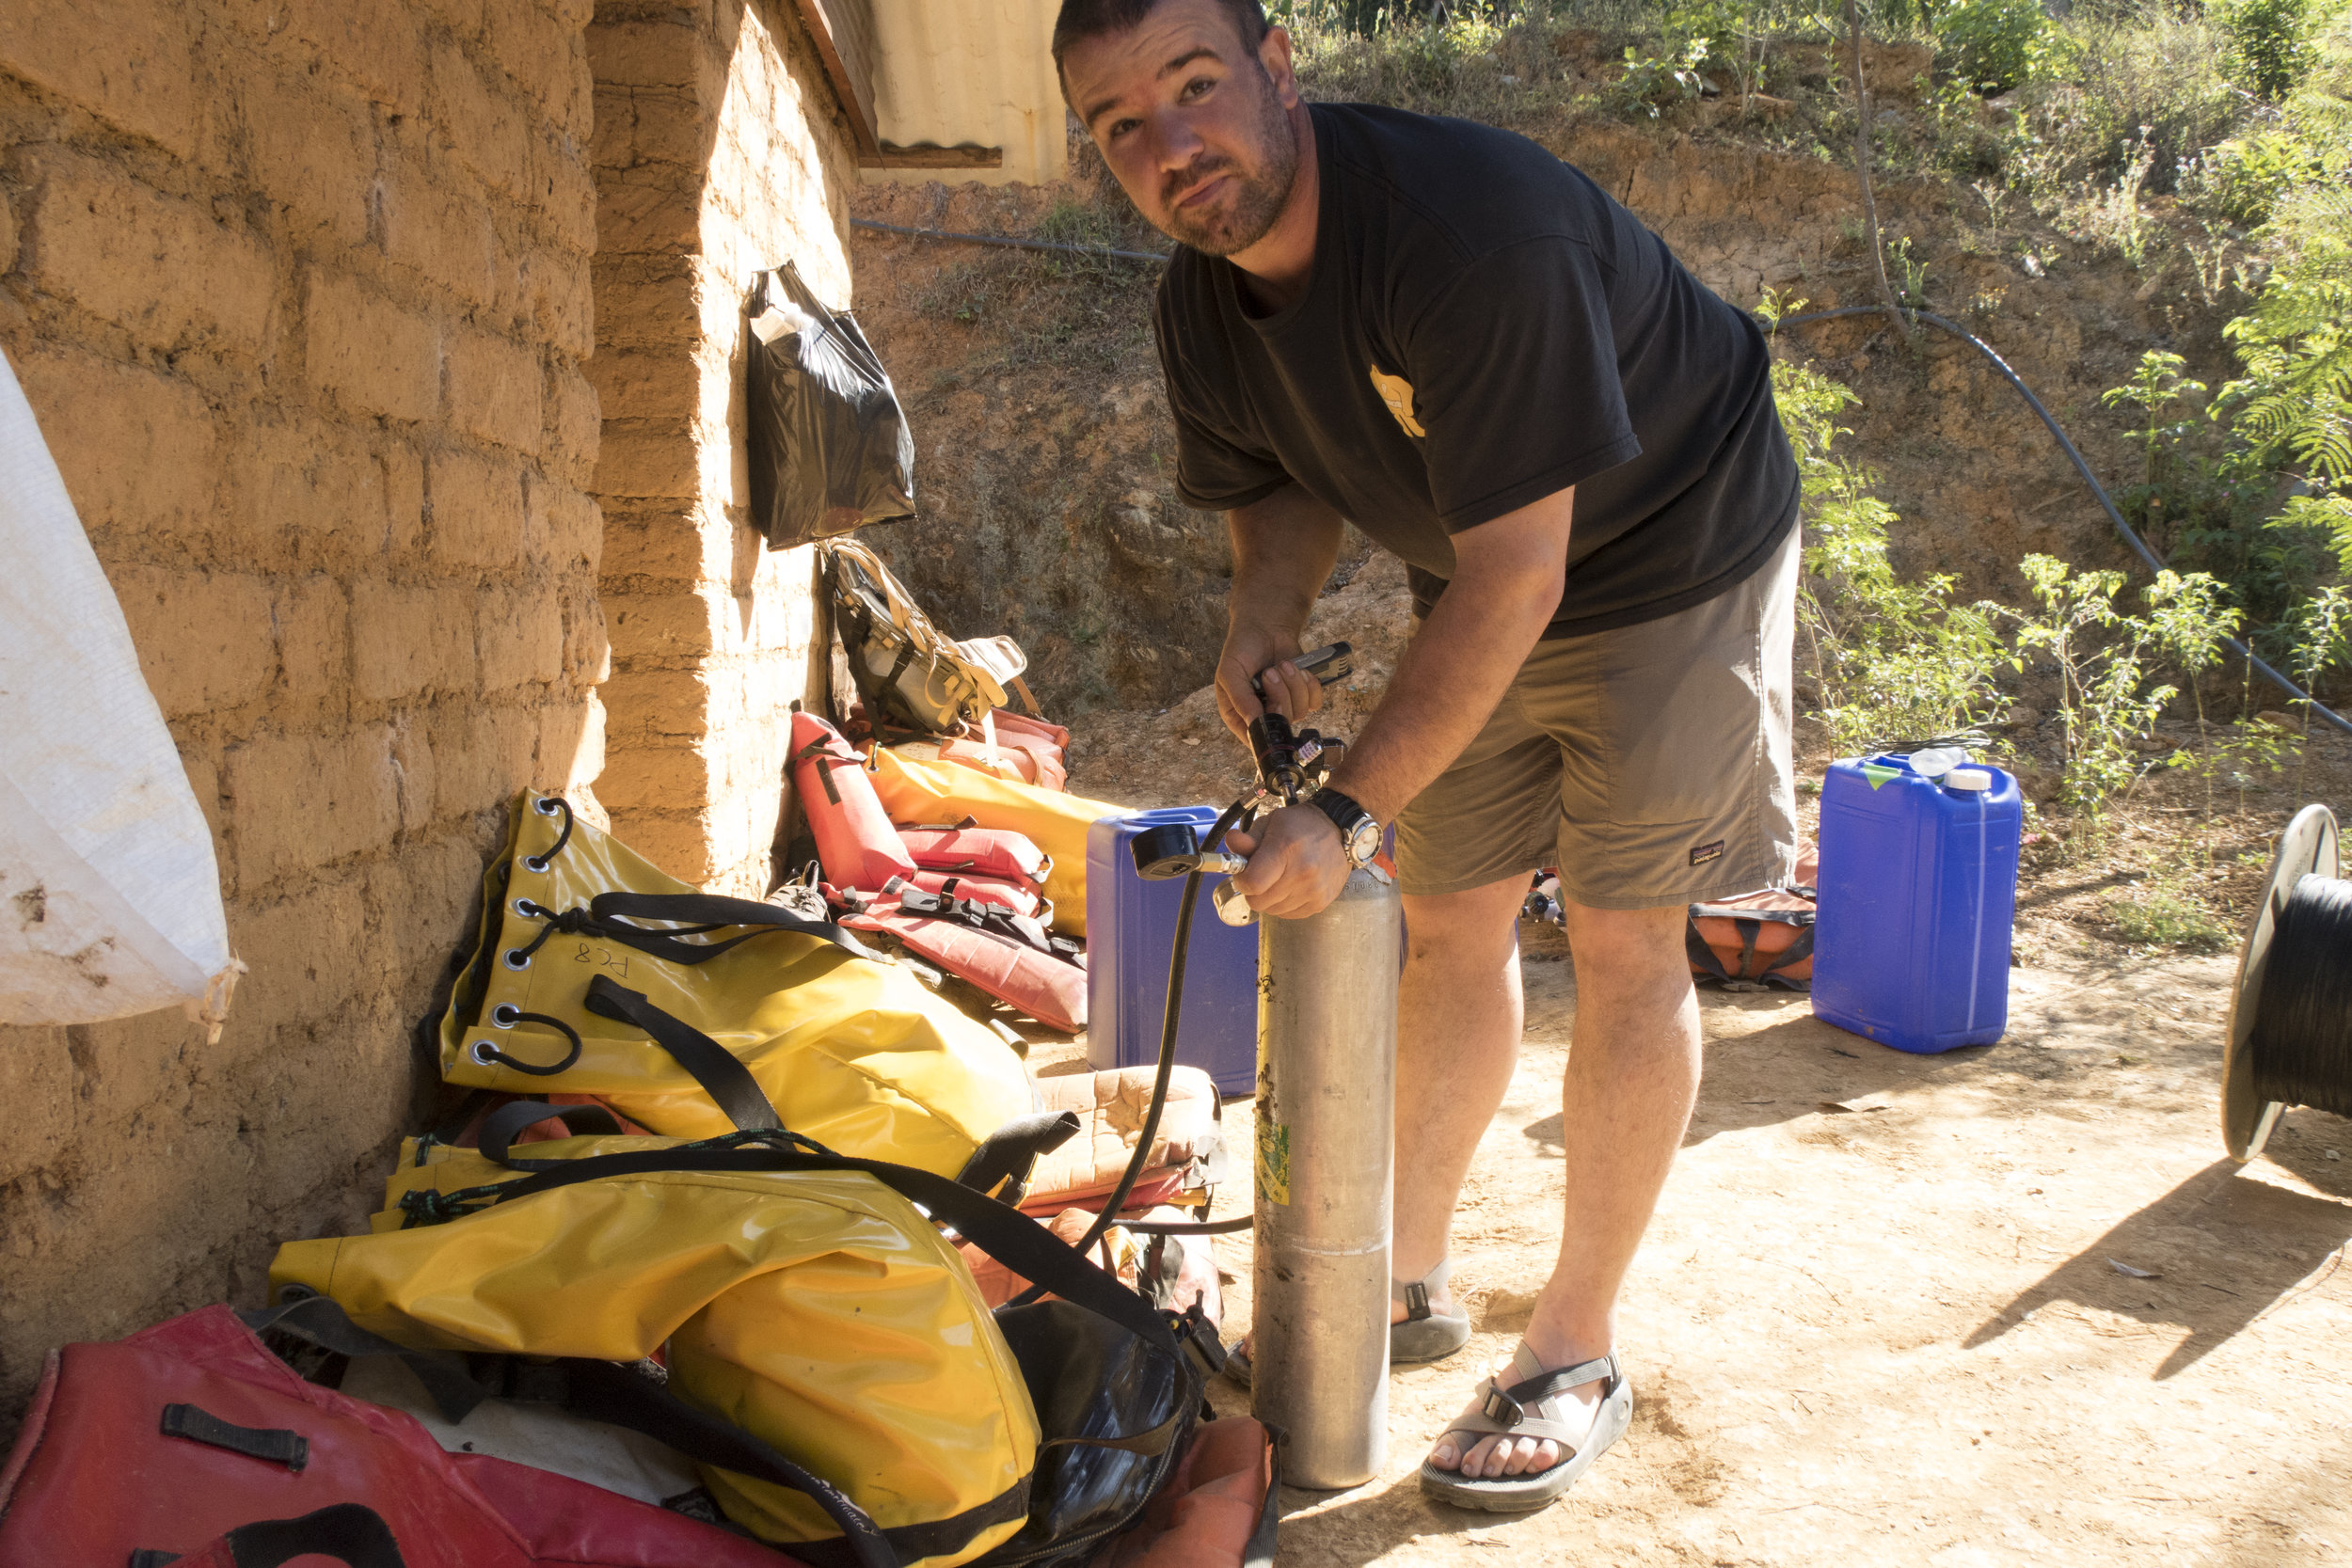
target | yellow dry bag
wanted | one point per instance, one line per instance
(594, 973)
(804, 1299)
(914, 792)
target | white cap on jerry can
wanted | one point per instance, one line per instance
(1968, 778)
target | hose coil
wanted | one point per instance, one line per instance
(2301, 1042)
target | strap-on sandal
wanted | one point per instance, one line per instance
(1533, 1407)
(1423, 1335)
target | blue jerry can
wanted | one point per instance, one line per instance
(1919, 892)
(1131, 926)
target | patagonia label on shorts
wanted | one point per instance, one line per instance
(1705, 853)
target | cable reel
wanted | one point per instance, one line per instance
(2290, 1032)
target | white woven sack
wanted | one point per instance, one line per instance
(109, 894)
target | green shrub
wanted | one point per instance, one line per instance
(2272, 44)
(1992, 45)
(2166, 911)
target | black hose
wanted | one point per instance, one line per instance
(1193, 1227)
(2302, 1040)
(1117, 1200)
(1006, 240)
(2130, 537)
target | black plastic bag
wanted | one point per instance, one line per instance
(830, 448)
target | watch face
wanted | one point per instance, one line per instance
(1364, 841)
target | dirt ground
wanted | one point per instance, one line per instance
(1883, 1314)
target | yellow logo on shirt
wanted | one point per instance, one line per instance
(1397, 393)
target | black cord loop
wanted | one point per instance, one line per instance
(485, 1052)
(548, 806)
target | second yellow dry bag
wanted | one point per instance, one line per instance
(594, 972)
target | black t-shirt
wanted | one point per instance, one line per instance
(1485, 326)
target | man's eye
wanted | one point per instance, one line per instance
(1120, 128)
(1194, 88)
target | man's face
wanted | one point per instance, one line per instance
(1197, 127)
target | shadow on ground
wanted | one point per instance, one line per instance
(2222, 1247)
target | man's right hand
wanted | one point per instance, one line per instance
(1266, 651)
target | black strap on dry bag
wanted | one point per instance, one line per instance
(728, 1081)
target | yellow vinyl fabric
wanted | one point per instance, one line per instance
(819, 1311)
(858, 1055)
(912, 791)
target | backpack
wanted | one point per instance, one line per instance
(907, 672)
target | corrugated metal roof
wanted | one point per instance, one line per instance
(964, 72)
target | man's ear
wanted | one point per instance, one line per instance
(1274, 53)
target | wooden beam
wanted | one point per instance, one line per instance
(890, 155)
(842, 32)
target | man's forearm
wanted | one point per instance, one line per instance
(1285, 548)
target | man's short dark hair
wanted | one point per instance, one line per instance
(1081, 20)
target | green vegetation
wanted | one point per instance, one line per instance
(2167, 911)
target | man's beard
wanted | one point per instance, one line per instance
(1256, 199)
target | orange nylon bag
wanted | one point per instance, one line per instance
(1760, 939)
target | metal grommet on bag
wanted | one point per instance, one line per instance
(483, 1054)
(523, 906)
(516, 959)
(504, 1015)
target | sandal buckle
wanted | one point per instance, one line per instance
(1416, 1302)
(1501, 1407)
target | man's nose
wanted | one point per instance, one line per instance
(1174, 143)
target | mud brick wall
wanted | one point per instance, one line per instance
(300, 293)
(719, 151)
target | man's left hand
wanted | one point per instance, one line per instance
(1296, 865)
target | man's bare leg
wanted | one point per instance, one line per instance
(1632, 1075)
(1458, 1017)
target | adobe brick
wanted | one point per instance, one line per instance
(477, 510)
(408, 642)
(313, 617)
(519, 638)
(374, 356)
(303, 801)
(651, 54)
(403, 502)
(574, 529)
(160, 265)
(494, 390)
(300, 950)
(437, 223)
(565, 188)
(675, 842)
(649, 457)
(203, 637)
(379, 44)
(648, 707)
(657, 778)
(480, 121)
(201, 763)
(7, 231)
(126, 61)
(575, 417)
(309, 494)
(657, 126)
(481, 756)
(645, 301)
(413, 774)
(649, 546)
(562, 305)
(313, 153)
(648, 208)
(544, 55)
(651, 383)
(587, 650)
(571, 746)
(92, 412)
(662, 627)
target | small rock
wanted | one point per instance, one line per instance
(2333, 1154)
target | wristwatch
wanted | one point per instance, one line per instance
(1359, 835)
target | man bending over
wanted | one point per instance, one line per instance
(1440, 331)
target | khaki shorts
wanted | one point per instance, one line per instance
(1650, 763)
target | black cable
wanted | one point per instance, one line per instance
(1004, 240)
(2130, 537)
(1192, 1228)
(2302, 1040)
(1117, 1200)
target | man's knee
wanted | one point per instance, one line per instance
(1478, 926)
(1639, 945)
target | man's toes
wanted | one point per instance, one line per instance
(1481, 1461)
(1522, 1457)
(1445, 1456)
